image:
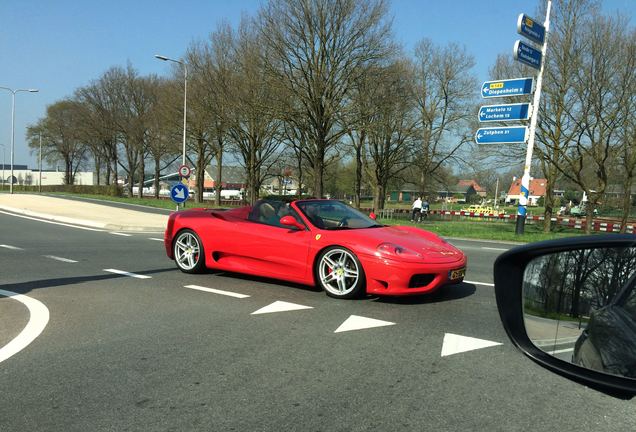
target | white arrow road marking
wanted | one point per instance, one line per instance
(10, 247)
(216, 291)
(125, 273)
(454, 344)
(57, 258)
(280, 306)
(121, 234)
(155, 239)
(39, 317)
(355, 322)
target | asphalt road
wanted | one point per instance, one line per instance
(121, 353)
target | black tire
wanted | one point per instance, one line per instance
(339, 273)
(188, 252)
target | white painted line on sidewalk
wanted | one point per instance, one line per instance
(52, 222)
(216, 291)
(125, 273)
(155, 239)
(480, 283)
(10, 247)
(495, 249)
(57, 258)
(120, 234)
(39, 317)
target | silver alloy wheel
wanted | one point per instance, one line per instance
(187, 250)
(339, 272)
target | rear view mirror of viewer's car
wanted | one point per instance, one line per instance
(570, 305)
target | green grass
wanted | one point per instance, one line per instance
(485, 230)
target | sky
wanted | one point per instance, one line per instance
(57, 46)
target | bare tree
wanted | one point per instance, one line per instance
(445, 106)
(60, 139)
(253, 127)
(391, 128)
(316, 49)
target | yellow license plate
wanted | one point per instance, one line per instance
(457, 274)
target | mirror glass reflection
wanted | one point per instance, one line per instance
(580, 306)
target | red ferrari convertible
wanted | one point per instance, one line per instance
(314, 242)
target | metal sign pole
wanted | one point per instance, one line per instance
(525, 180)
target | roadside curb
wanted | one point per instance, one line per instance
(80, 222)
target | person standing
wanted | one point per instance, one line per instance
(416, 209)
(425, 209)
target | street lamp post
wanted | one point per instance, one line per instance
(185, 98)
(13, 92)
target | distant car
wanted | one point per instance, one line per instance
(482, 209)
(314, 242)
(608, 343)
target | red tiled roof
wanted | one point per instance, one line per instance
(537, 187)
(473, 183)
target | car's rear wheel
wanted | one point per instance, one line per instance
(340, 273)
(188, 252)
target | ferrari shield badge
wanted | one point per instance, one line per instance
(318, 236)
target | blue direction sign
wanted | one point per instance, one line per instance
(502, 135)
(506, 112)
(531, 29)
(527, 54)
(509, 87)
(179, 193)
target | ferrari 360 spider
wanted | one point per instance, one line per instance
(314, 242)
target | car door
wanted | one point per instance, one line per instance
(268, 249)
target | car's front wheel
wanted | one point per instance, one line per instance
(188, 252)
(340, 273)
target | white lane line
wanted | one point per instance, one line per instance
(155, 239)
(57, 258)
(120, 234)
(125, 273)
(216, 291)
(560, 351)
(52, 222)
(495, 249)
(479, 283)
(10, 247)
(39, 317)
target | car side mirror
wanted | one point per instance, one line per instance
(570, 305)
(291, 222)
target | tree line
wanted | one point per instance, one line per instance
(320, 87)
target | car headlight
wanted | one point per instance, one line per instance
(392, 250)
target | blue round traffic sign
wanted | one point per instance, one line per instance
(179, 193)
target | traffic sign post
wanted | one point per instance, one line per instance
(502, 135)
(509, 87)
(531, 29)
(506, 112)
(184, 171)
(179, 193)
(527, 54)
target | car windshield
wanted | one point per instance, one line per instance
(333, 215)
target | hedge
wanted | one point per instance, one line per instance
(110, 190)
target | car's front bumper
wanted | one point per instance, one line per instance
(389, 277)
